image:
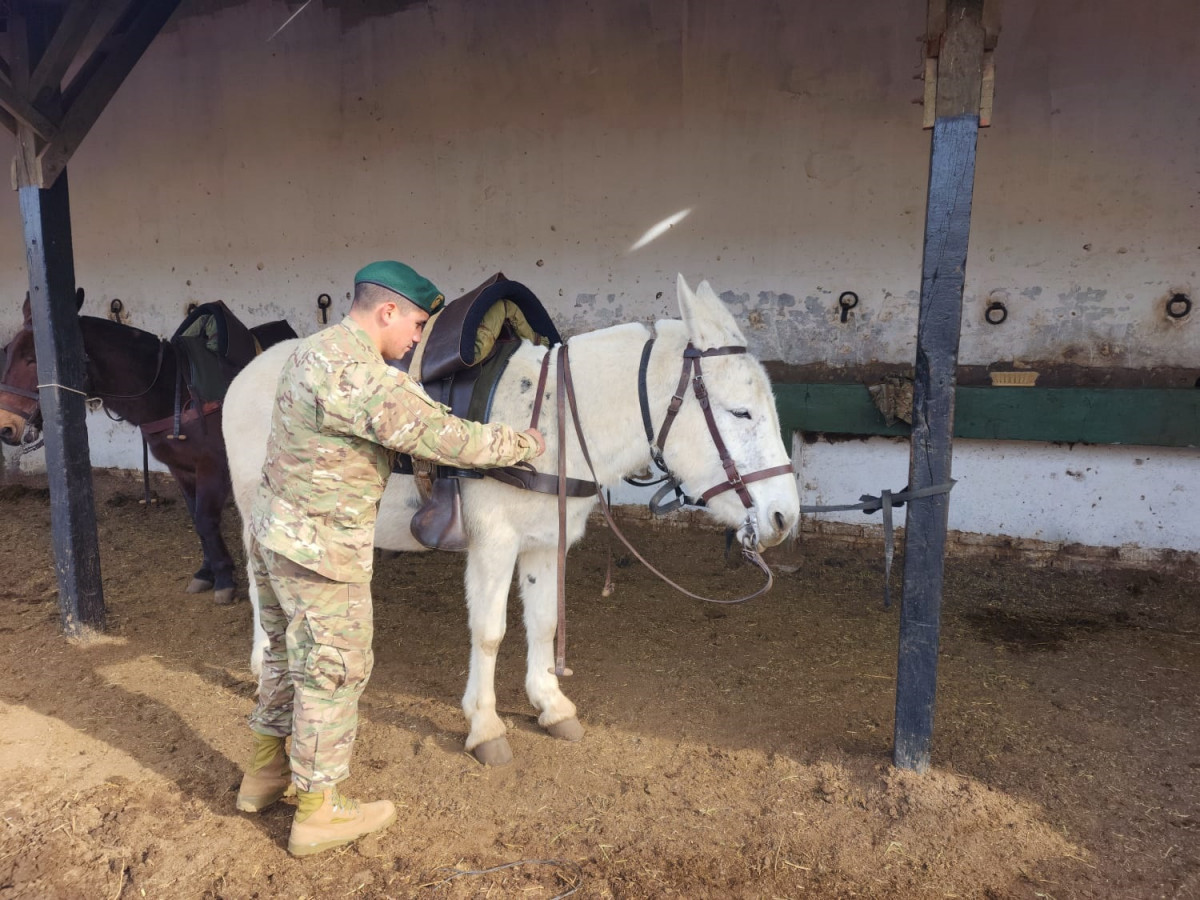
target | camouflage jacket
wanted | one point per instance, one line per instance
(341, 413)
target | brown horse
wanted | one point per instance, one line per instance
(133, 373)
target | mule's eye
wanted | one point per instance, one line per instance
(740, 413)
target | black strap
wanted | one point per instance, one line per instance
(643, 391)
(886, 501)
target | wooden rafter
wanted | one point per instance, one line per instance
(50, 122)
(64, 45)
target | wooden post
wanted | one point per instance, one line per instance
(49, 123)
(947, 227)
(46, 217)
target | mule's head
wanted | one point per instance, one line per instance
(743, 414)
(19, 412)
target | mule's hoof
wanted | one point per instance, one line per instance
(223, 597)
(495, 752)
(198, 586)
(566, 730)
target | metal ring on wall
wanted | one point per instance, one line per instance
(1179, 306)
(995, 313)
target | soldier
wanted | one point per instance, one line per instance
(341, 412)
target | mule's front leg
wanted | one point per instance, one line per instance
(489, 574)
(539, 594)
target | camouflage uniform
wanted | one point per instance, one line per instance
(340, 415)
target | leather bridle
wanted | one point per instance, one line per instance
(26, 414)
(734, 480)
(20, 392)
(35, 396)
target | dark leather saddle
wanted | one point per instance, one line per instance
(445, 364)
(211, 346)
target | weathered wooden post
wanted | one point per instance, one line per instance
(46, 216)
(953, 95)
(49, 124)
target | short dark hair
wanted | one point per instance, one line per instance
(367, 296)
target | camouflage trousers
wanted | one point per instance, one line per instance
(315, 666)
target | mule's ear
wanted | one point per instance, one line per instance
(709, 322)
(78, 299)
(27, 311)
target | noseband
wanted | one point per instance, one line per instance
(28, 443)
(734, 480)
(20, 392)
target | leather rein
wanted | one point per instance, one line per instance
(563, 486)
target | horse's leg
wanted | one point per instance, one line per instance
(202, 578)
(212, 492)
(489, 574)
(539, 595)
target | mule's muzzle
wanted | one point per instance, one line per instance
(8, 435)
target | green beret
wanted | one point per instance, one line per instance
(403, 280)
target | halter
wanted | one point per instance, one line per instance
(20, 392)
(35, 396)
(734, 480)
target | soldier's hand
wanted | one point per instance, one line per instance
(538, 439)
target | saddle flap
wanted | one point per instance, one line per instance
(439, 524)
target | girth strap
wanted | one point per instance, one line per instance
(527, 478)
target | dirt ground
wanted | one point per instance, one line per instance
(730, 751)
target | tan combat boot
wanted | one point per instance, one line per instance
(326, 819)
(268, 777)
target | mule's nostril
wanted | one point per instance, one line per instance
(779, 523)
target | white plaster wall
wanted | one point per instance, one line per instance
(545, 138)
(1091, 495)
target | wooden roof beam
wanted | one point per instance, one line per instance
(64, 46)
(20, 108)
(99, 79)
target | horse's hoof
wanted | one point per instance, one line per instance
(198, 586)
(223, 597)
(566, 730)
(495, 752)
